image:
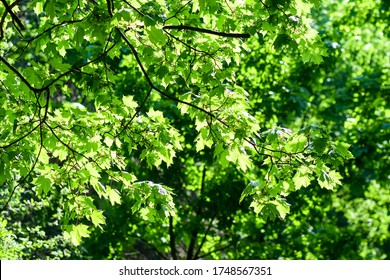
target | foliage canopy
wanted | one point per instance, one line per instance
(102, 101)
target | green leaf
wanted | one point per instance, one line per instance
(202, 5)
(342, 149)
(297, 144)
(244, 162)
(109, 141)
(316, 3)
(282, 207)
(92, 170)
(301, 180)
(335, 177)
(329, 180)
(38, 8)
(257, 207)
(76, 232)
(61, 153)
(269, 211)
(320, 145)
(128, 101)
(97, 218)
(62, 51)
(281, 40)
(157, 36)
(42, 184)
(114, 196)
(251, 188)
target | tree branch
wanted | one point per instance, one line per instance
(187, 45)
(109, 8)
(205, 236)
(40, 125)
(8, 9)
(77, 68)
(20, 138)
(17, 73)
(149, 81)
(202, 30)
(198, 213)
(172, 239)
(134, 8)
(191, 247)
(161, 255)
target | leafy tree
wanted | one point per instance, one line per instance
(349, 94)
(102, 101)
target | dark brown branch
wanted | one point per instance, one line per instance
(14, 3)
(1, 25)
(45, 88)
(39, 90)
(202, 30)
(47, 104)
(187, 45)
(10, 93)
(191, 247)
(8, 9)
(109, 8)
(265, 6)
(74, 152)
(198, 213)
(204, 237)
(149, 81)
(67, 146)
(20, 138)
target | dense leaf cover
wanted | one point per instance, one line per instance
(191, 129)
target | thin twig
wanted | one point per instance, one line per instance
(134, 8)
(40, 125)
(17, 73)
(205, 236)
(48, 30)
(187, 45)
(135, 114)
(216, 250)
(178, 11)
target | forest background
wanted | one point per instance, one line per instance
(194, 129)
